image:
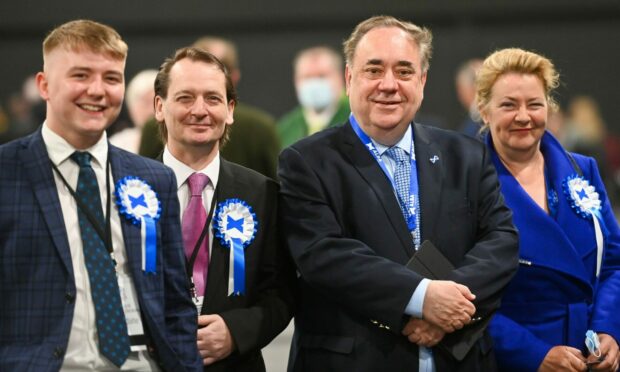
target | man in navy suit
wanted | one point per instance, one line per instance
(242, 291)
(357, 201)
(60, 245)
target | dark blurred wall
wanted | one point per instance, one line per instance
(581, 37)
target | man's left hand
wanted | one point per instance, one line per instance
(214, 339)
(423, 333)
(609, 348)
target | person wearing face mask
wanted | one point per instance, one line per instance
(320, 92)
(568, 281)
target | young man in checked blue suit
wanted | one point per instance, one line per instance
(72, 262)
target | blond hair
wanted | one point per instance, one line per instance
(83, 33)
(515, 60)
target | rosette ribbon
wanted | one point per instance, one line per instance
(235, 225)
(585, 201)
(138, 203)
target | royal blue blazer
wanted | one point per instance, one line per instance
(555, 297)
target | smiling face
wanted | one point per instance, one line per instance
(385, 83)
(84, 93)
(516, 113)
(196, 110)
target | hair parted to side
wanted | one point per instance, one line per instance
(421, 35)
(84, 33)
(520, 61)
(162, 81)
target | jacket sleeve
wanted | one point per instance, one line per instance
(343, 269)
(253, 327)
(179, 310)
(516, 347)
(491, 263)
(607, 297)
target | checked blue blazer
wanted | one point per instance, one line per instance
(37, 289)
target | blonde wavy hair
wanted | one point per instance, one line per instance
(520, 61)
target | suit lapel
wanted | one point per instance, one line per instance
(38, 169)
(541, 240)
(429, 162)
(371, 172)
(131, 233)
(217, 277)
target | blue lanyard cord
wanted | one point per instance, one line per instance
(412, 204)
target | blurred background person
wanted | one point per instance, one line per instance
(556, 124)
(320, 92)
(568, 280)
(585, 130)
(20, 118)
(253, 142)
(465, 83)
(139, 101)
(587, 133)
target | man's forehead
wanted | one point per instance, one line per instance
(377, 47)
(187, 72)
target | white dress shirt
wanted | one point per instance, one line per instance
(82, 352)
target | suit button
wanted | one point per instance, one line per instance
(70, 297)
(58, 352)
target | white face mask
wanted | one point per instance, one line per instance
(315, 93)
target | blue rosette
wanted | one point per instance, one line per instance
(235, 224)
(584, 200)
(139, 203)
(582, 197)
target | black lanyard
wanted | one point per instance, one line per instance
(203, 234)
(104, 235)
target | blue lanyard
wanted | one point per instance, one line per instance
(413, 177)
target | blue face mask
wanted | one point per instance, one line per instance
(315, 93)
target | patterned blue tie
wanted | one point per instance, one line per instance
(109, 314)
(402, 173)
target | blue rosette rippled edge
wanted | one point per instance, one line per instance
(139, 203)
(224, 226)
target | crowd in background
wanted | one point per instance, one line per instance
(545, 225)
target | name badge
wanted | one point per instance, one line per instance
(198, 301)
(132, 312)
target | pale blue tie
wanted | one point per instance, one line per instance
(402, 173)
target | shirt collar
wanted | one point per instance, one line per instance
(404, 143)
(183, 171)
(59, 149)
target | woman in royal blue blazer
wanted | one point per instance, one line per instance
(568, 280)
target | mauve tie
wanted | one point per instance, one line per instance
(194, 219)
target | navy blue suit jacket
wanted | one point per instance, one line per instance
(36, 276)
(350, 242)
